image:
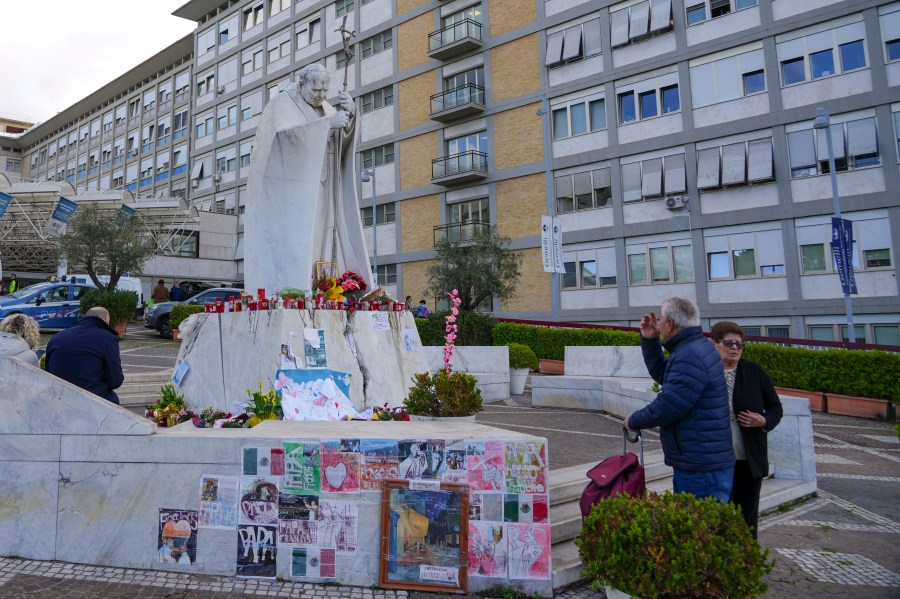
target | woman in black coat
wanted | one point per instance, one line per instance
(756, 410)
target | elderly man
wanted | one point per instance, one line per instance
(692, 410)
(302, 206)
(87, 355)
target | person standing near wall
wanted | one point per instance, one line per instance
(13, 285)
(755, 410)
(160, 292)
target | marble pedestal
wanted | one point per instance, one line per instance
(227, 354)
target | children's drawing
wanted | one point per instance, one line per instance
(526, 467)
(455, 458)
(338, 521)
(340, 466)
(259, 500)
(256, 551)
(219, 496)
(297, 532)
(379, 462)
(487, 549)
(485, 464)
(177, 540)
(529, 551)
(301, 467)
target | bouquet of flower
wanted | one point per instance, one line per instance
(170, 409)
(352, 284)
(264, 405)
(210, 418)
(386, 413)
(330, 287)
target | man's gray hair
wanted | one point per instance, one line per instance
(100, 312)
(311, 70)
(683, 312)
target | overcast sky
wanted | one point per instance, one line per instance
(56, 52)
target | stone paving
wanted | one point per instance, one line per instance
(843, 543)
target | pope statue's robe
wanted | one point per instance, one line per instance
(302, 205)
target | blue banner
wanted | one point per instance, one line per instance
(5, 200)
(64, 210)
(125, 213)
(842, 248)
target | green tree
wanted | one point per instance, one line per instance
(105, 242)
(479, 268)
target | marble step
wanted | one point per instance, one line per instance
(142, 387)
(141, 399)
(567, 484)
(162, 377)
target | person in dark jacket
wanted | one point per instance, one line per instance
(87, 355)
(755, 410)
(692, 409)
(176, 294)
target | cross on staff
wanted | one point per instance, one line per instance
(346, 34)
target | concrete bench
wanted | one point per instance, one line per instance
(488, 364)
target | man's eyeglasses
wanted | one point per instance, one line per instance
(733, 343)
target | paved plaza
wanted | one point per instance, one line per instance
(843, 543)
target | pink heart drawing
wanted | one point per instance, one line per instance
(336, 475)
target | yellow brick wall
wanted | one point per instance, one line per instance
(413, 96)
(533, 288)
(520, 204)
(518, 137)
(405, 5)
(506, 15)
(418, 217)
(412, 41)
(415, 282)
(416, 154)
(514, 68)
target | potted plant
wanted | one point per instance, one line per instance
(671, 546)
(444, 394)
(179, 314)
(120, 305)
(521, 359)
(170, 409)
(263, 405)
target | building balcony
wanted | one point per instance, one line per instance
(457, 103)
(454, 39)
(459, 168)
(460, 232)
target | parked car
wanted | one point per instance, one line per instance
(157, 317)
(53, 305)
(124, 284)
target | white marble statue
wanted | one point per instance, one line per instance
(302, 204)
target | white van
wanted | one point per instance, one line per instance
(124, 284)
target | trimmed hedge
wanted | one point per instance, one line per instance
(551, 344)
(120, 304)
(181, 312)
(474, 328)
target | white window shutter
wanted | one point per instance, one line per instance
(734, 164)
(631, 182)
(802, 149)
(651, 178)
(861, 137)
(640, 19)
(708, 168)
(554, 48)
(572, 45)
(674, 174)
(759, 160)
(619, 27)
(660, 14)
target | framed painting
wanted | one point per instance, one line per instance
(424, 540)
(326, 269)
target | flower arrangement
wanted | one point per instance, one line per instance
(210, 418)
(292, 293)
(264, 405)
(352, 284)
(330, 287)
(385, 413)
(451, 329)
(170, 409)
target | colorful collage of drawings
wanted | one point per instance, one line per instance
(288, 498)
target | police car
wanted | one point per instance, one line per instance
(52, 305)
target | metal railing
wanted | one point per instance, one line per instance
(460, 232)
(454, 33)
(456, 97)
(456, 164)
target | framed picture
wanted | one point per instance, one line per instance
(326, 269)
(424, 540)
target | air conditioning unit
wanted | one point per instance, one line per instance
(195, 182)
(220, 90)
(217, 177)
(676, 202)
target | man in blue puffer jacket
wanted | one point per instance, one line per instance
(692, 409)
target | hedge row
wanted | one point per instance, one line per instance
(551, 344)
(181, 312)
(474, 328)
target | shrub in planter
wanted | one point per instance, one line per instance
(120, 304)
(181, 312)
(672, 546)
(442, 394)
(522, 356)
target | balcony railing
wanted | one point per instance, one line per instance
(457, 102)
(460, 232)
(457, 168)
(454, 39)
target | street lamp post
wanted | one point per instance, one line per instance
(369, 175)
(823, 122)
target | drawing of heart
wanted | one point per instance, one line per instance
(336, 475)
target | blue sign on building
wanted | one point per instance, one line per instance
(5, 200)
(842, 247)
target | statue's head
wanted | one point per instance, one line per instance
(313, 81)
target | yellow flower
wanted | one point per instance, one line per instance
(374, 416)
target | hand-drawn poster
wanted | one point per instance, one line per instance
(486, 506)
(301, 468)
(379, 321)
(425, 538)
(526, 467)
(526, 508)
(411, 340)
(338, 523)
(529, 551)
(312, 562)
(488, 554)
(340, 466)
(379, 462)
(297, 532)
(177, 540)
(314, 348)
(219, 496)
(256, 551)
(485, 464)
(420, 458)
(455, 457)
(263, 461)
(259, 500)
